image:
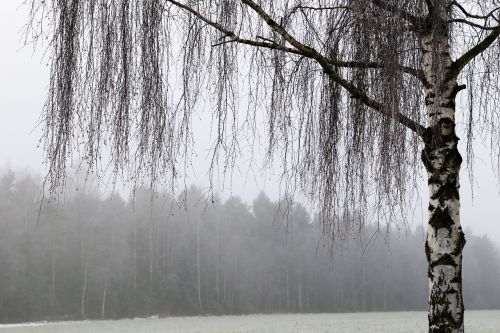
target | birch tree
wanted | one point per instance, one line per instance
(355, 93)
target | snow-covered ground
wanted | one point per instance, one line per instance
(400, 322)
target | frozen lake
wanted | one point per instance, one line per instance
(399, 322)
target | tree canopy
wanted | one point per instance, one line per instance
(340, 85)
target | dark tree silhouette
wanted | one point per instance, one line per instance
(353, 90)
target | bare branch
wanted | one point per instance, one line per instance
(480, 17)
(233, 38)
(461, 62)
(397, 11)
(419, 74)
(472, 24)
(327, 68)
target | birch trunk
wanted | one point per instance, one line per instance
(445, 239)
(442, 160)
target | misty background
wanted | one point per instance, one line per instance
(95, 254)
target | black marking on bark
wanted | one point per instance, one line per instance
(445, 260)
(441, 319)
(428, 253)
(448, 191)
(452, 159)
(446, 124)
(429, 100)
(461, 242)
(427, 160)
(434, 179)
(441, 219)
(449, 104)
(431, 208)
(439, 135)
(444, 322)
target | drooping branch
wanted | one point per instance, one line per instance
(233, 38)
(414, 20)
(231, 35)
(472, 24)
(300, 7)
(310, 52)
(419, 74)
(461, 62)
(306, 51)
(474, 16)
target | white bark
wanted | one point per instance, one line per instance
(445, 239)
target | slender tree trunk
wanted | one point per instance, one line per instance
(84, 284)
(53, 278)
(363, 288)
(198, 272)
(224, 284)
(299, 291)
(83, 264)
(217, 268)
(104, 296)
(445, 239)
(151, 260)
(107, 276)
(135, 268)
(384, 293)
(287, 290)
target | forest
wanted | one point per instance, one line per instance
(92, 256)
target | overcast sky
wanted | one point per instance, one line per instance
(23, 84)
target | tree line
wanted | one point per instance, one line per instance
(87, 256)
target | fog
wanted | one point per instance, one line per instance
(91, 256)
(97, 254)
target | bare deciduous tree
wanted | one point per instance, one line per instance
(353, 90)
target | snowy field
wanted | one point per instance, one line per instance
(398, 322)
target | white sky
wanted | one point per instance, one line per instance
(23, 85)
